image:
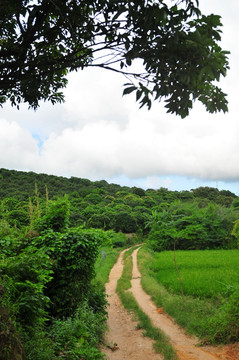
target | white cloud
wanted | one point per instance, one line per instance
(102, 149)
(17, 147)
(88, 152)
(99, 134)
(95, 95)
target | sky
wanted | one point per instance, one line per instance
(100, 135)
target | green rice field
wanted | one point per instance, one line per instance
(204, 274)
(209, 308)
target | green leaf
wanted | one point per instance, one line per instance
(129, 90)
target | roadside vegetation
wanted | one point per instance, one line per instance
(60, 237)
(50, 308)
(52, 276)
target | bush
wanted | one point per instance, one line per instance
(161, 238)
(78, 337)
(74, 253)
(56, 217)
(117, 239)
(192, 227)
(96, 298)
(24, 278)
(235, 232)
(39, 345)
(226, 322)
(10, 343)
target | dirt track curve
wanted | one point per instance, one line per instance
(126, 342)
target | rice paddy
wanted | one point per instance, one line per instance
(204, 274)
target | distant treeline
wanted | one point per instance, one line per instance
(99, 204)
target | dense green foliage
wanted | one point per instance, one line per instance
(99, 204)
(73, 253)
(47, 295)
(235, 231)
(52, 230)
(208, 306)
(74, 338)
(187, 226)
(178, 48)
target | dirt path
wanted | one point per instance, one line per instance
(125, 342)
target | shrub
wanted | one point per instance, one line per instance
(192, 227)
(10, 343)
(161, 238)
(118, 239)
(226, 322)
(74, 253)
(24, 277)
(56, 217)
(235, 231)
(78, 337)
(39, 345)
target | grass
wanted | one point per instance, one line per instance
(162, 343)
(106, 259)
(206, 276)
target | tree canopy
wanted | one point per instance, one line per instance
(41, 41)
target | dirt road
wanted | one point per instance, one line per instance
(125, 342)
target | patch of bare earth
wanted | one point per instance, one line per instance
(125, 342)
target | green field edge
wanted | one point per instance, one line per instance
(195, 315)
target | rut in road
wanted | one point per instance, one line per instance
(128, 343)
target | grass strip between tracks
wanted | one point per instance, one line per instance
(162, 343)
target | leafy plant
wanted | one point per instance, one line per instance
(24, 277)
(172, 40)
(226, 323)
(235, 231)
(10, 342)
(118, 239)
(192, 227)
(79, 336)
(56, 217)
(74, 253)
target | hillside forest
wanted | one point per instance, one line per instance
(52, 232)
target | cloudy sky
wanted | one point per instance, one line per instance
(98, 134)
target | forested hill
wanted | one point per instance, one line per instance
(21, 185)
(99, 204)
